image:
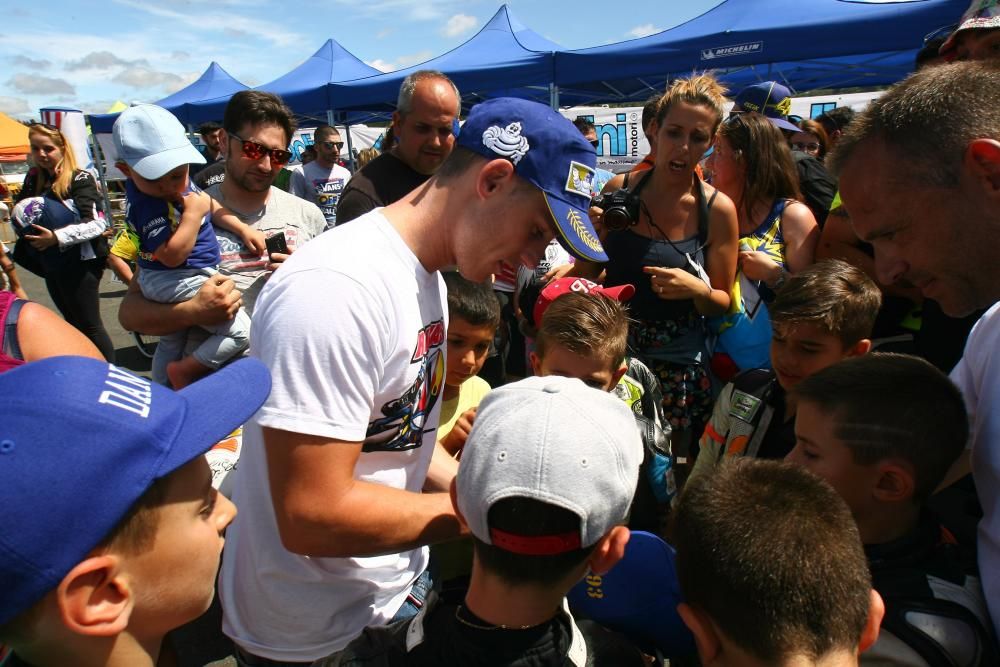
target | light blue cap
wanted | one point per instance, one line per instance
(151, 141)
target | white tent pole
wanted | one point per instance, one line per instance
(95, 148)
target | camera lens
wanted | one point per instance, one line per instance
(616, 219)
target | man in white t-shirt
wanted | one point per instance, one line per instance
(920, 176)
(342, 484)
(322, 180)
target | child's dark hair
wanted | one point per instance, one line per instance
(772, 555)
(831, 294)
(587, 325)
(530, 517)
(893, 406)
(473, 302)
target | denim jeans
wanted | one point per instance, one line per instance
(173, 286)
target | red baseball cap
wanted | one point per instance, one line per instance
(557, 288)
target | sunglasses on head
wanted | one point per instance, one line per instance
(329, 145)
(940, 33)
(254, 151)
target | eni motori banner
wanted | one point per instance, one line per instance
(621, 143)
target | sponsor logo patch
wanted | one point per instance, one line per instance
(732, 50)
(580, 180)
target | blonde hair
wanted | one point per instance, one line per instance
(699, 90)
(366, 155)
(64, 169)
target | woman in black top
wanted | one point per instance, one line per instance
(76, 252)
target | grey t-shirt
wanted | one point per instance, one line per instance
(300, 220)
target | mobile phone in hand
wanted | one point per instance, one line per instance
(276, 243)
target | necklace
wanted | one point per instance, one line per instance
(478, 626)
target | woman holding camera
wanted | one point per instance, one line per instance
(675, 238)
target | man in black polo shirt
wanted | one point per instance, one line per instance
(423, 127)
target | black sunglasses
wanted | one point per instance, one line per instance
(940, 33)
(328, 145)
(254, 151)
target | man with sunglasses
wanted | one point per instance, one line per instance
(257, 129)
(423, 130)
(322, 180)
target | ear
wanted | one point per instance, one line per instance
(95, 598)
(982, 158)
(618, 375)
(895, 482)
(124, 168)
(397, 122)
(536, 363)
(706, 638)
(862, 347)
(223, 142)
(495, 177)
(609, 550)
(876, 610)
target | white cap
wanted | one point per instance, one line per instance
(557, 441)
(151, 140)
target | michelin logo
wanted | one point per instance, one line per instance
(734, 50)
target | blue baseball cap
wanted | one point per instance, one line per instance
(771, 99)
(548, 152)
(150, 140)
(638, 597)
(81, 441)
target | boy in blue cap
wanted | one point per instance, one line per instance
(111, 530)
(178, 250)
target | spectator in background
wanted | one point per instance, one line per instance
(811, 139)
(978, 34)
(211, 133)
(365, 155)
(649, 129)
(423, 128)
(589, 133)
(322, 180)
(835, 122)
(76, 249)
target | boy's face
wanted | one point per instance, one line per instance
(176, 577)
(593, 371)
(168, 187)
(468, 346)
(823, 454)
(802, 349)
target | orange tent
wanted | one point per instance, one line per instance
(13, 139)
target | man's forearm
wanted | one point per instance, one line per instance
(368, 520)
(137, 313)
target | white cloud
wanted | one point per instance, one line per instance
(30, 63)
(202, 21)
(459, 24)
(102, 60)
(40, 85)
(144, 77)
(382, 34)
(400, 62)
(382, 65)
(15, 106)
(406, 10)
(643, 30)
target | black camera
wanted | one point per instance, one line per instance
(621, 209)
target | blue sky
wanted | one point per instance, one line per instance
(87, 55)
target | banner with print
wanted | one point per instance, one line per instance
(621, 143)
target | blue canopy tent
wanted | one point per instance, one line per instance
(504, 58)
(808, 45)
(306, 89)
(214, 83)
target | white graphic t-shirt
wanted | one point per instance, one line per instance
(353, 329)
(321, 186)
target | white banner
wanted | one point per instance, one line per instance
(619, 131)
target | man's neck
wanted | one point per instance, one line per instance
(325, 163)
(421, 221)
(499, 603)
(240, 200)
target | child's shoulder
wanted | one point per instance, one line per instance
(475, 388)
